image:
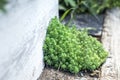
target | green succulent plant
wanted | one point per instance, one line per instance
(70, 49)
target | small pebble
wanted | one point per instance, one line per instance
(83, 79)
(81, 74)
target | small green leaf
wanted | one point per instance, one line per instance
(65, 14)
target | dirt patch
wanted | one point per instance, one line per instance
(53, 74)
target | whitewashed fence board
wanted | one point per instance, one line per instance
(22, 31)
(111, 42)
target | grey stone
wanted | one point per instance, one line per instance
(88, 21)
(83, 78)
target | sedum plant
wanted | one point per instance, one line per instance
(70, 49)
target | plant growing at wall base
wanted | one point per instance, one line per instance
(70, 49)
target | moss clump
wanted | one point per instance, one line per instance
(71, 49)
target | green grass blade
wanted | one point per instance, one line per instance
(65, 14)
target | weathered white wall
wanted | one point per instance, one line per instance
(22, 31)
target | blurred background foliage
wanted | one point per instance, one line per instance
(2, 5)
(86, 6)
(91, 6)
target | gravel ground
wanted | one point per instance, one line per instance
(52, 74)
